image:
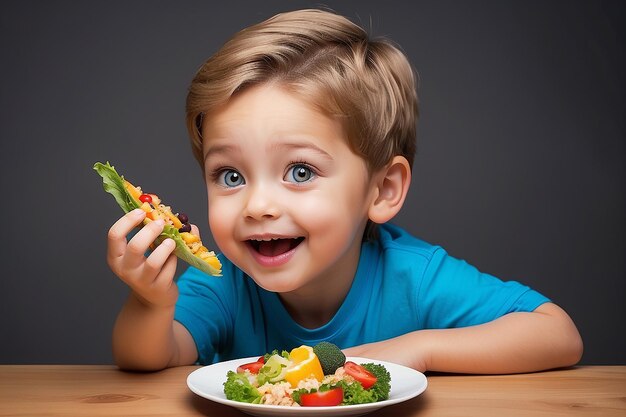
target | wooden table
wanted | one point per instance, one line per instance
(77, 390)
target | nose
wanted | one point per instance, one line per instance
(261, 203)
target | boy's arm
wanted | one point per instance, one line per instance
(516, 342)
(147, 338)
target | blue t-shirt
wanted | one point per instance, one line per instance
(402, 284)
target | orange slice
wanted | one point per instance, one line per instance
(305, 364)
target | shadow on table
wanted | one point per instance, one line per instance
(210, 408)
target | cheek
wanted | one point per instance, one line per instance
(221, 223)
(330, 215)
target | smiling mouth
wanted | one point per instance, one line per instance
(274, 247)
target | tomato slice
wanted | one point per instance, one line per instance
(253, 367)
(359, 373)
(332, 397)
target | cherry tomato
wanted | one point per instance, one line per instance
(331, 397)
(253, 367)
(145, 198)
(359, 373)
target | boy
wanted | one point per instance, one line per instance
(305, 130)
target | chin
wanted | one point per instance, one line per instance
(274, 286)
(276, 281)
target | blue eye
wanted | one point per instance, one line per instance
(231, 178)
(299, 173)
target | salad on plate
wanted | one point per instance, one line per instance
(317, 376)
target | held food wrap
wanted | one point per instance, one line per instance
(189, 247)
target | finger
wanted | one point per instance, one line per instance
(140, 243)
(116, 238)
(157, 259)
(165, 277)
(195, 230)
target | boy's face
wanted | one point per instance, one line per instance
(288, 199)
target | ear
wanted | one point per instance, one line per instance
(390, 188)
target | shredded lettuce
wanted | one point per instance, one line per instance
(113, 184)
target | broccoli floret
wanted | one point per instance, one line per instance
(330, 356)
(382, 387)
(238, 388)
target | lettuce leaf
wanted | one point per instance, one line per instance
(113, 184)
(238, 388)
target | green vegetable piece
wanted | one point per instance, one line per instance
(114, 184)
(354, 393)
(295, 395)
(382, 387)
(238, 388)
(283, 353)
(330, 356)
(274, 370)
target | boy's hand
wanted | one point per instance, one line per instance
(151, 278)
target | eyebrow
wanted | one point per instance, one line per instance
(290, 146)
(221, 149)
(287, 146)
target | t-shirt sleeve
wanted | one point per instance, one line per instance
(204, 308)
(454, 293)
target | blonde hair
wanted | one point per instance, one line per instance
(330, 62)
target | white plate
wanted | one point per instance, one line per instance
(208, 382)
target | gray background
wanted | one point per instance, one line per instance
(520, 168)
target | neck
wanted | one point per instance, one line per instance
(311, 313)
